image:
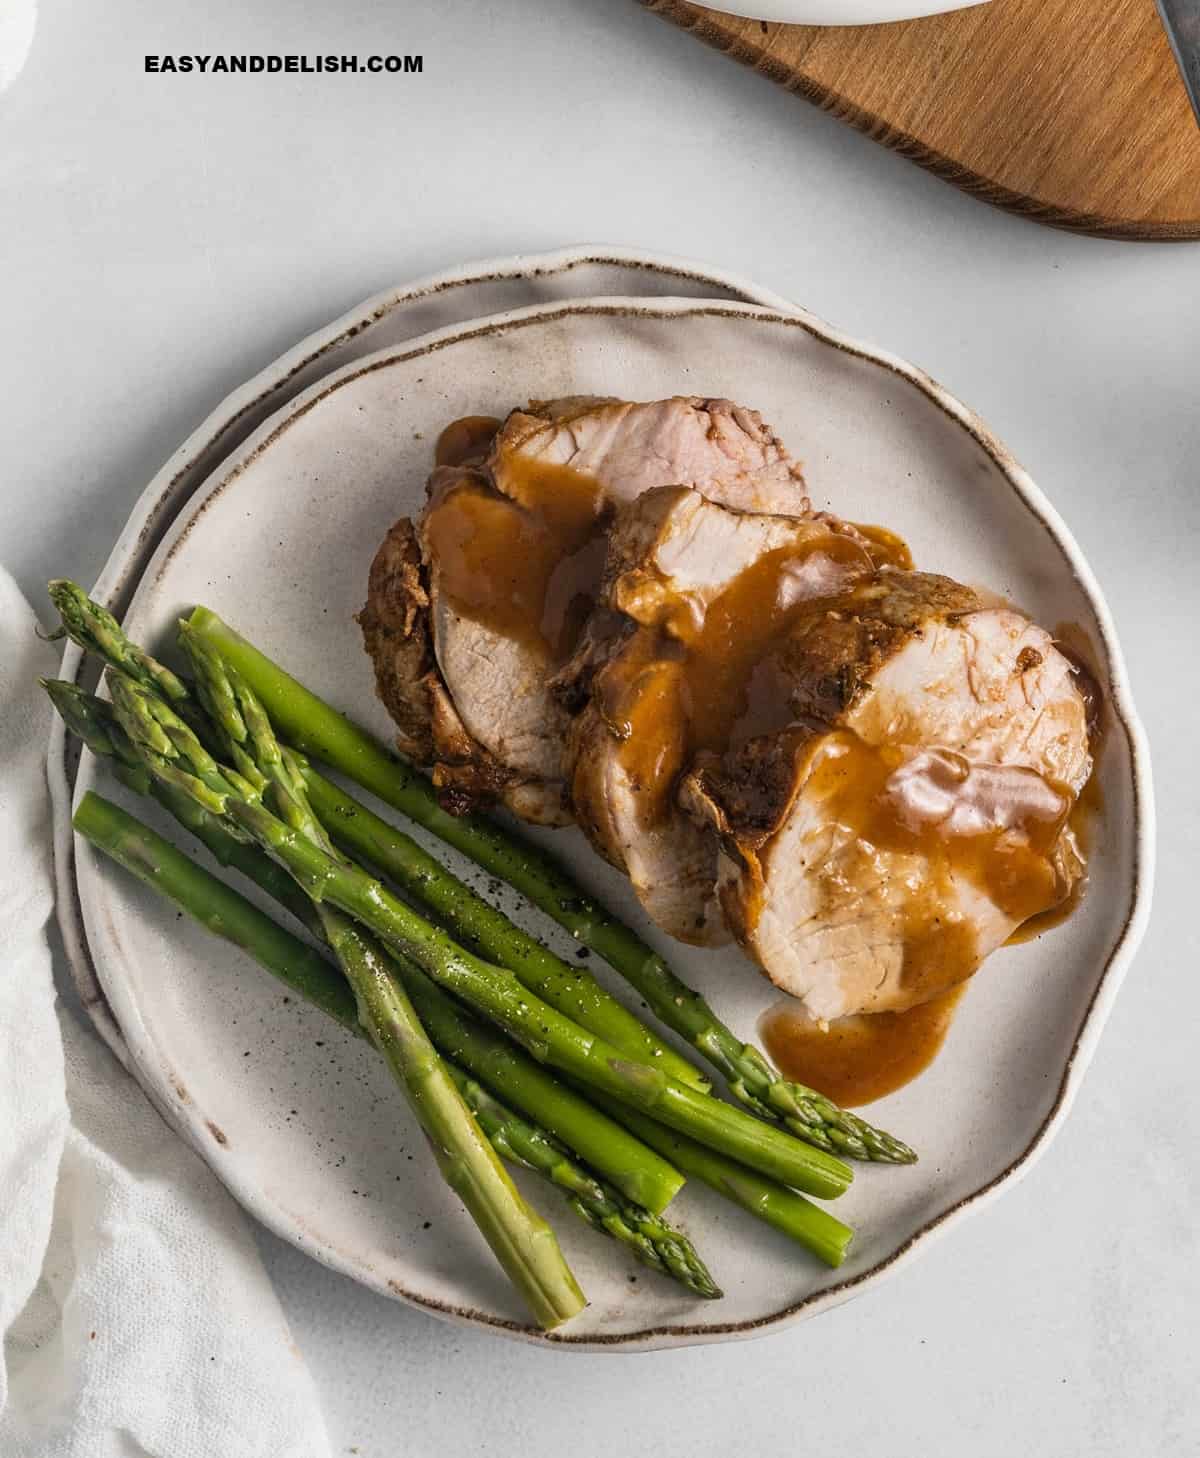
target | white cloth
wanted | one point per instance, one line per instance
(18, 20)
(137, 1318)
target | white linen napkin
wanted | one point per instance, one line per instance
(18, 21)
(136, 1316)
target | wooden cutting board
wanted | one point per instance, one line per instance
(1071, 112)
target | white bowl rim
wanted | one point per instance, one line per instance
(844, 13)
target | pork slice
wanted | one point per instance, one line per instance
(722, 449)
(395, 630)
(510, 557)
(494, 678)
(399, 634)
(647, 688)
(915, 811)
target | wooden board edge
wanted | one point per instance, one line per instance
(682, 14)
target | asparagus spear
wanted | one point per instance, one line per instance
(483, 929)
(808, 1224)
(96, 631)
(170, 751)
(216, 906)
(645, 1179)
(475, 923)
(227, 914)
(520, 1239)
(653, 1241)
(91, 719)
(313, 726)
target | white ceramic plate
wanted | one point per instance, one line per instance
(279, 542)
(842, 12)
(453, 296)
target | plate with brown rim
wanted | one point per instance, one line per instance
(385, 320)
(299, 1121)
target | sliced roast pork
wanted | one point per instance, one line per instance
(693, 593)
(395, 635)
(511, 548)
(915, 811)
(720, 448)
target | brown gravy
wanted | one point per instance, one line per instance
(527, 564)
(994, 828)
(1086, 814)
(1073, 642)
(466, 441)
(697, 687)
(859, 1059)
(886, 548)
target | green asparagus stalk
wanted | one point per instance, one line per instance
(655, 1243)
(96, 631)
(790, 1213)
(520, 1239)
(644, 1179)
(217, 907)
(229, 915)
(641, 1178)
(522, 1242)
(314, 727)
(170, 751)
(481, 928)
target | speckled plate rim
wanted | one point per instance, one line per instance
(228, 427)
(1094, 1017)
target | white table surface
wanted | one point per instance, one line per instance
(163, 237)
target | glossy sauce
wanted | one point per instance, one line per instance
(695, 687)
(859, 1059)
(1073, 642)
(690, 687)
(993, 827)
(645, 707)
(1044, 921)
(886, 548)
(466, 441)
(528, 564)
(757, 610)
